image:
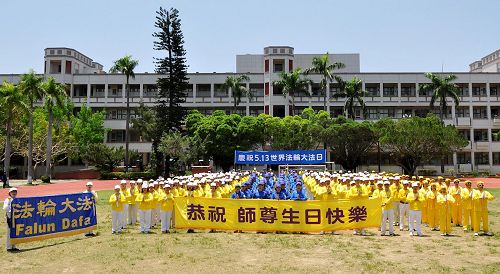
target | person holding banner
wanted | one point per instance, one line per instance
(8, 214)
(117, 201)
(357, 192)
(88, 189)
(238, 194)
(145, 200)
(278, 194)
(260, 193)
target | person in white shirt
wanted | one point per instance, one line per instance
(7, 208)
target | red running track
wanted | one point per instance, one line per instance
(59, 188)
(77, 186)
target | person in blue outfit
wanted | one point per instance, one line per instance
(299, 194)
(247, 190)
(284, 189)
(279, 194)
(260, 193)
(238, 194)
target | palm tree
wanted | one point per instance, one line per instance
(31, 87)
(12, 100)
(442, 88)
(126, 65)
(55, 95)
(235, 84)
(321, 65)
(353, 92)
(291, 83)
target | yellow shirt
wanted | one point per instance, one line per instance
(466, 199)
(133, 195)
(117, 202)
(402, 195)
(147, 203)
(456, 193)
(387, 199)
(480, 200)
(444, 200)
(415, 204)
(167, 201)
(357, 193)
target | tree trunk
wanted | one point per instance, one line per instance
(127, 87)
(441, 115)
(379, 155)
(48, 161)
(30, 146)
(324, 97)
(8, 148)
(293, 102)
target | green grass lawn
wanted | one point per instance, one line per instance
(226, 252)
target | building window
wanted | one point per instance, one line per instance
(463, 158)
(496, 158)
(480, 135)
(462, 112)
(481, 158)
(478, 90)
(423, 92)
(372, 90)
(465, 133)
(52, 51)
(407, 90)
(372, 114)
(480, 112)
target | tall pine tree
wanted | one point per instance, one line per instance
(172, 83)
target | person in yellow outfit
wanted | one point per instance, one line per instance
(395, 187)
(126, 193)
(416, 200)
(432, 209)
(404, 208)
(456, 208)
(357, 191)
(423, 191)
(156, 204)
(466, 199)
(386, 199)
(145, 202)
(167, 207)
(480, 200)
(445, 202)
(132, 206)
(117, 201)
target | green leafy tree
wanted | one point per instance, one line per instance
(291, 132)
(321, 65)
(412, 140)
(222, 134)
(172, 83)
(55, 96)
(442, 88)
(349, 141)
(88, 129)
(353, 92)
(145, 122)
(105, 158)
(126, 65)
(236, 86)
(12, 101)
(292, 83)
(31, 86)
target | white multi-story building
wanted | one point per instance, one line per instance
(392, 95)
(489, 63)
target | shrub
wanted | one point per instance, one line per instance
(130, 175)
(45, 179)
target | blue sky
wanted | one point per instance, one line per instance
(390, 35)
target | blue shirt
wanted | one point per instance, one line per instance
(261, 195)
(238, 195)
(299, 196)
(279, 196)
(248, 193)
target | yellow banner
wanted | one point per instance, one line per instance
(276, 215)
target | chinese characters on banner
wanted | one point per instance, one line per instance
(276, 215)
(39, 218)
(280, 157)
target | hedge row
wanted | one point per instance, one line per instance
(129, 175)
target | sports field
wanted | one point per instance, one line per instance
(224, 252)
